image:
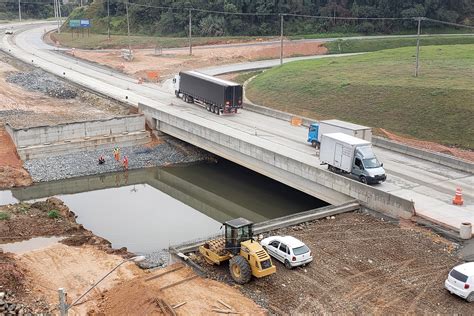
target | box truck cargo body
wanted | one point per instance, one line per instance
(348, 154)
(215, 94)
(337, 126)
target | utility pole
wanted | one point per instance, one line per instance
(281, 39)
(108, 20)
(60, 16)
(55, 11)
(418, 47)
(128, 29)
(190, 34)
(62, 302)
(19, 10)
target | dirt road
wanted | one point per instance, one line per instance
(362, 265)
(173, 61)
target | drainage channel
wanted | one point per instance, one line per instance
(150, 209)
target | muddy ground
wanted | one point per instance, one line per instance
(172, 61)
(362, 265)
(30, 278)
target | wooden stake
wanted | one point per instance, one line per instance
(179, 282)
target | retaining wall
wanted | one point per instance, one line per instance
(44, 135)
(279, 165)
(440, 158)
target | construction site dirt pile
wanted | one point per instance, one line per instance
(362, 265)
(30, 277)
(174, 285)
(173, 60)
(36, 99)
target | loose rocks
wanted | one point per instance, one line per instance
(38, 80)
(86, 163)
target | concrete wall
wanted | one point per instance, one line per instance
(440, 158)
(301, 175)
(42, 135)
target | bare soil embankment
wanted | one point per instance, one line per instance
(172, 61)
(30, 277)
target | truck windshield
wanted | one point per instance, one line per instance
(371, 163)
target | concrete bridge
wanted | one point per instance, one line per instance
(266, 144)
(300, 170)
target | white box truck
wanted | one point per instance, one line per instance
(336, 126)
(351, 155)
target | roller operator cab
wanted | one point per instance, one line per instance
(246, 257)
(351, 155)
(217, 95)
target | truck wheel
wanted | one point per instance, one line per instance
(218, 112)
(363, 179)
(176, 93)
(240, 270)
(314, 143)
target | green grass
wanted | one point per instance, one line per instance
(379, 89)
(242, 77)
(4, 216)
(100, 41)
(53, 214)
(370, 45)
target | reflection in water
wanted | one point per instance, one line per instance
(139, 217)
(148, 209)
(30, 244)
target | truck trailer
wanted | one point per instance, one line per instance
(336, 126)
(351, 155)
(216, 95)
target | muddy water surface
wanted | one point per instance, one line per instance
(149, 209)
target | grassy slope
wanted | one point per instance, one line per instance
(378, 89)
(371, 45)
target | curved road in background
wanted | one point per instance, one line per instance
(429, 185)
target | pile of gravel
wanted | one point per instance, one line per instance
(39, 80)
(170, 152)
(155, 259)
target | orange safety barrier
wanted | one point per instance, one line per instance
(153, 75)
(458, 197)
(296, 121)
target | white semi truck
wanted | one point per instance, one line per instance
(351, 155)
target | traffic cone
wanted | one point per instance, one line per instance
(458, 197)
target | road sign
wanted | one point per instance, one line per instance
(74, 23)
(82, 23)
(85, 23)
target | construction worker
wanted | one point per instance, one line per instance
(125, 162)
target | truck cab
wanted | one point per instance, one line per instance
(366, 167)
(313, 132)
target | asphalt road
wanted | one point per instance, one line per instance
(429, 185)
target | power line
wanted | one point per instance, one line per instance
(448, 23)
(341, 17)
